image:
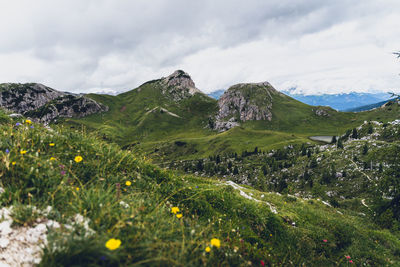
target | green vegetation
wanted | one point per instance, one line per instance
(302, 232)
(362, 165)
(144, 120)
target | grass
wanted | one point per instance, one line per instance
(149, 232)
(135, 120)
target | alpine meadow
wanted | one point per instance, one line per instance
(201, 165)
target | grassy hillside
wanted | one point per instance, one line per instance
(355, 168)
(128, 199)
(152, 123)
(146, 114)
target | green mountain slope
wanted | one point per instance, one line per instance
(362, 167)
(154, 111)
(119, 196)
(170, 118)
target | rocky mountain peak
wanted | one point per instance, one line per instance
(180, 78)
(244, 102)
(179, 85)
(45, 104)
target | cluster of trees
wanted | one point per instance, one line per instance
(302, 168)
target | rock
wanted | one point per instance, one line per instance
(321, 112)
(66, 107)
(223, 126)
(15, 115)
(45, 104)
(179, 85)
(23, 245)
(244, 102)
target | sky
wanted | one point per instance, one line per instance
(314, 46)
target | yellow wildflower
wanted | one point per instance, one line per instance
(78, 159)
(52, 158)
(208, 249)
(179, 215)
(28, 121)
(52, 144)
(22, 152)
(174, 210)
(215, 242)
(13, 163)
(77, 189)
(128, 183)
(113, 244)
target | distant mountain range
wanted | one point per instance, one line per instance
(343, 102)
(369, 107)
(170, 117)
(217, 94)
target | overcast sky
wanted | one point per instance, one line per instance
(317, 46)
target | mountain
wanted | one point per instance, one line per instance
(264, 107)
(171, 118)
(45, 104)
(245, 102)
(160, 109)
(369, 107)
(259, 179)
(217, 94)
(342, 102)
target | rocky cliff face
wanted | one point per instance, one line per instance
(45, 104)
(179, 85)
(244, 102)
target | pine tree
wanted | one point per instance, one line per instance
(365, 149)
(370, 129)
(354, 135)
(340, 143)
(264, 169)
(303, 150)
(200, 165)
(255, 150)
(313, 163)
(380, 170)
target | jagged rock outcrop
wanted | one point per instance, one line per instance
(45, 104)
(179, 85)
(321, 112)
(244, 102)
(223, 126)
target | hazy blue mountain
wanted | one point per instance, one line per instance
(343, 101)
(216, 94)
(368, 107)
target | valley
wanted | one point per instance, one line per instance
(171, 168)
(141, 120)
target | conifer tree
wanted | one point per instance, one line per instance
(365, 149)
(340, 143)
(354, 134)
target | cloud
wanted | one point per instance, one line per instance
(108, 45)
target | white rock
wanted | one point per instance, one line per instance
(5, 228)
(4, 242)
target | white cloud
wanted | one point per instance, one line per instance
(108, 45)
